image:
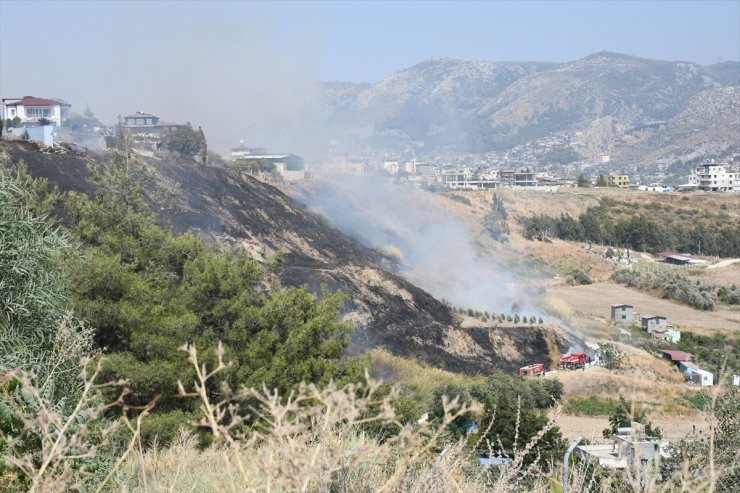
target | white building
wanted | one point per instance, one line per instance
(713, 177)
(391, 167)
(30, 109)
(695, 374)
(244, 152)
(289, 166)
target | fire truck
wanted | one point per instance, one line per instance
(573, 361)
(535, 370)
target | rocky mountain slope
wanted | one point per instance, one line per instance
(480, 106)
(226, 205)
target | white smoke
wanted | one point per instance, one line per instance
(433, 248)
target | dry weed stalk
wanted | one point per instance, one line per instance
(49, 447)
(312, 439)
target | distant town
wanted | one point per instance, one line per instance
(544, 165)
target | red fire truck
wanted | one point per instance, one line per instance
(573, 361)
(535, 370)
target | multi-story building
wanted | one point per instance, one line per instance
(455, 180)
(616, 180)
(714, 177)
(30, 109)
(524, 179)
(506, 177)
(143, 124)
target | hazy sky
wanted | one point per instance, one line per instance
(183, 59)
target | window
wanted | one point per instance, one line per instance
(624, 317)
(38, 112)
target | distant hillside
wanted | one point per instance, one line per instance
(226, 205)
(477, 106)
(708, 124)
(726, 72)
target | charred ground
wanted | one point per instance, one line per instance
(224, 204)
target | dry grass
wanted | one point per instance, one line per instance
(556, 307)
(314, 440)
(594, 300)
(417, 376)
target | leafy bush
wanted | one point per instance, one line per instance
(460, 198)
(673, 286)
(185, 140)
(611, 356)
(579, 277)
(655, 228)
(592, 406)
(624, 414)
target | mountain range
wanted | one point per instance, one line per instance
(618, 104)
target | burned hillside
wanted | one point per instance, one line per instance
(225, 205)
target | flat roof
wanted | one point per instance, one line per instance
(616, 305)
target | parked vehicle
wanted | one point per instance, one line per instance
(573, 361)
(535, 370)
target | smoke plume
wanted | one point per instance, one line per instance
(433, 249)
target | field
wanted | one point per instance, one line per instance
(588, 427)
(592, 302)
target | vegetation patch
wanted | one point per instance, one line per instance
(591, 406)
(674, 286)
(647, 227)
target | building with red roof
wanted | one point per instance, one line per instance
(676, 356)
(32, 110)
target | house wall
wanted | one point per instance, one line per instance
(651, 324)
(622, 314)
(288, 174)
(38, 134)
(702, 377)
(58, 114)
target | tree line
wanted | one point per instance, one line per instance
(716, 235)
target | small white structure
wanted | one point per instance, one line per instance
(736, 380)
(30, 109)
(696, 375)
(38, 133)
(391, 167)
(667, 333)
(703, 378)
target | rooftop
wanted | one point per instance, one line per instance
(618, 305)
(141, 114)
(671, 254)
(649, 317)
(34, 101)
(676, 355)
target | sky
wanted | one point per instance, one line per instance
(196, 60)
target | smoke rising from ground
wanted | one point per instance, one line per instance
(432, 247)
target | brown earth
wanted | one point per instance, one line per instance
(590, 427)
(593, 301)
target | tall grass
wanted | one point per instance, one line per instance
(316, 439)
